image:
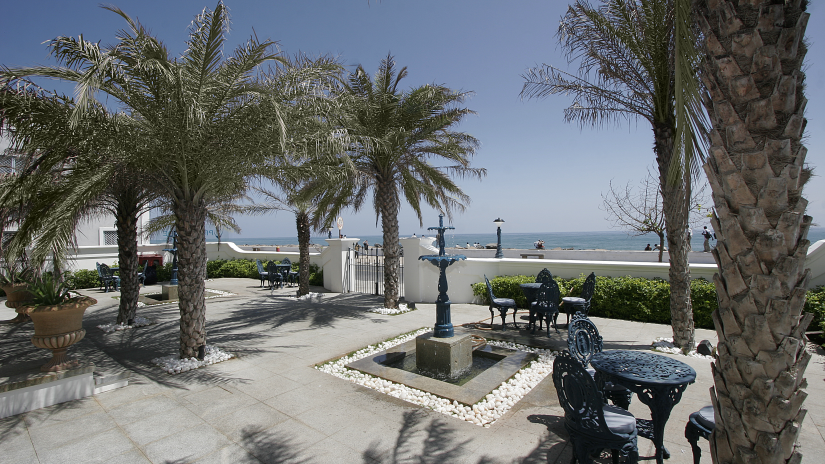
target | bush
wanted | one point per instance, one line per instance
(815, 304)
(82, 278)
(316, 275)
(164, 272)
(629, 298)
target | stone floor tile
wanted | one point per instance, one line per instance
(299, 400)
(161, 425)
(138, 389)
(95, 448)
(64, 432)
(336, 416)
(16, 447)
(258, 416)
(330, 450)
(262, 390)
(216, 402)
(231, 454)
(134, 456)
(61, 412)
(147, 407)
(283, 442)
(187, 445)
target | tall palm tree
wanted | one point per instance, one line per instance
(754, 53)
(633, 63)
(76, 173)
(205, 125)
(400, 134)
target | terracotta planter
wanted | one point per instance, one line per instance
(17, 295)
(56, 328)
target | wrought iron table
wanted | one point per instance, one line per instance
(657, 380)
(284, 270)
(531, 291)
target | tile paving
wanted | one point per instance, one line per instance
(270, 405)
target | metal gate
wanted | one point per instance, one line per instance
(364, 272)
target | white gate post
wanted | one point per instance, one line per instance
(335, 260)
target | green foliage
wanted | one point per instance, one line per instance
(629, 298)
(238, 268)
(48, 291)
(316, 275)
(815, 304)
(82, 278)
(164, 272)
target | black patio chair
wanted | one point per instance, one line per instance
(502, 304)
(108, 278)
(291, 276)
(546, 306)
(142, 273)
(261, 273)
(274, 277)
(592, 424)
(583, 341)
(700, 424)
(544, 276)
(574, 304)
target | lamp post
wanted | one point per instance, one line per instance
(498, 222)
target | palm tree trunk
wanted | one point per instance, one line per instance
(126, 219)
(752, 73)
(674, 203)
(389, 205)
(302, 224)
(191, 228)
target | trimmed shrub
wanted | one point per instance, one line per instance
(82, 278)
(316, 275)
(815, 304)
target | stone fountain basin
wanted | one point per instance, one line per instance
(470, 393)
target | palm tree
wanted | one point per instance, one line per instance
(399, 135)
(78, 172)
(633, 64)
(754, 53)
(205, 125)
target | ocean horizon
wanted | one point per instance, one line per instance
(604, 240)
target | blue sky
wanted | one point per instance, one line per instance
(543, 175)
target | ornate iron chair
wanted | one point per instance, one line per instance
(290, 275)
(108, 278)
(573, 304)
(142, 273)
(261, 273)
(502, 304)
(592, 424)
(544, 276)
(583, 341)
(700, 424)
(546, 306)
(274, 277)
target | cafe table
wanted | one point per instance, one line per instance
(531, 291)
(657, 380)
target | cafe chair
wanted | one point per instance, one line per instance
(544, 276)
(291, 276)
(583, 341)
(273, 276)
(261, 273)
(592, 424)
(546, 306)
(108, 278)
(502, 304)
(580, 304)
(700, 424)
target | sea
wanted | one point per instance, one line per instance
(606, 240)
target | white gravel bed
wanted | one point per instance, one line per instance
(484, 413)
(174, 365)
(312, 297)
(402, 308)
(665, 345)
(114, 327)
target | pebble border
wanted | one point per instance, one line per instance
(174, 365)
(665, 345)
(113, 327)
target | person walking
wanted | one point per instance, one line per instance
(689, 236)
(366, 246)
(707, 236)
(647, 248)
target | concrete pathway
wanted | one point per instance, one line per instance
(270, 405)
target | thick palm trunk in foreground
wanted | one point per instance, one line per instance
(674, 205)
(302, 224)
(388, 202)
(754, 53)
(191, 228)
(126, 221)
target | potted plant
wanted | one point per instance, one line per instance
(58, 320)
(15, 276)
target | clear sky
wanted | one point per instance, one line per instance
(543, 175)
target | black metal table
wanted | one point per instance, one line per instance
(531, 291)
(657, 380)
(284, 270)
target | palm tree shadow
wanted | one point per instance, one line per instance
(271, 447)
(437, 443)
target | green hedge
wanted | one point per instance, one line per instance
(82, 278)
(815, 303)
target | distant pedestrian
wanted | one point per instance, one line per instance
(707, 236)
(647, 248)
(689, 236)
(413, 235)
(366, 246)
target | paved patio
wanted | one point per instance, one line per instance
(270, 405)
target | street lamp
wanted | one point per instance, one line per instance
(498, 222)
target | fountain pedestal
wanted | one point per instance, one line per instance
(447, 357)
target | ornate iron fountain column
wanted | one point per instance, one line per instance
(443, 324)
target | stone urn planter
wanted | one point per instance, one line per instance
(57, 327)
(17, 296)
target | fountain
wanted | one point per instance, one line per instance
(443, 353)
